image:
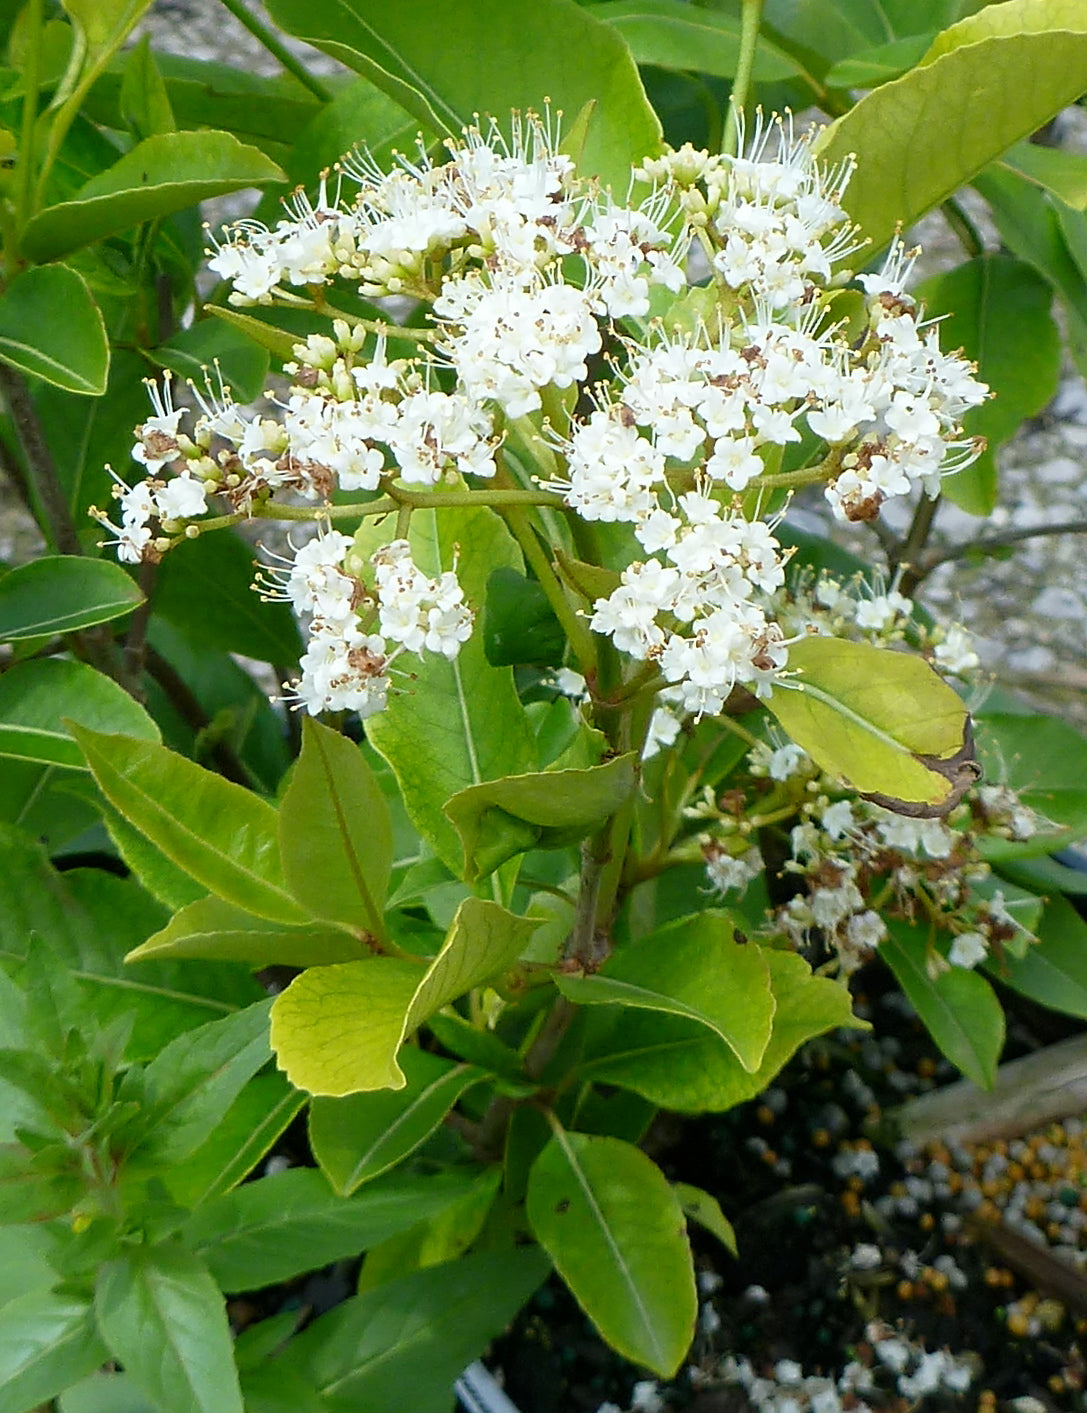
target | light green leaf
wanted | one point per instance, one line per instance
(276, 1228)
(997, 311)
(163, 1318)
(335, 833)
(221, 834)
(614, 1228)
(544, 810)
(871, 67)
(693, 968)
(51, 328)
(442, 1237)
(145, 104)
(958, 1007)
(161, 175)
(681, 1065)
(992, 80)
(40, 700)
(1053, 972)
(105, 1393)
(676, 35)
(361, 1136)
(402, 1345)
(446, 61)
(315, 1023)
(212, 930)
(882, 720)
(264, 335)
(462, 722)
(61, 594)
(1063, 174)
(698, 1206)
(48, 1340)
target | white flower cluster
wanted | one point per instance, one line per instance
(345, 667)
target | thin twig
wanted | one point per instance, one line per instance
(984, 543)
(39, 460)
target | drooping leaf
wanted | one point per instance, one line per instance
(315, 1023)
(997, 310)
(212, 930)
(882, 720)
(696, 969)
(48, 1340)
(544, 810)
(221, 834)
(614, 1228)
(40, 700)
(275, 1228)
(446, 61)
(163, 174)
(61, 594)
(992, 79)
(958, 1006)
(162, 1316)
(51, 328)
(360, 1136)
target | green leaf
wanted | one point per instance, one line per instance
(335, 833)
(675, 35)
(263, 334)
(162, 1315)
(1053, 972)
(992, 79)
(360, 1136)
(997, 310)
(402, 1345)
(221, 834)
(614, 1228)
(958, 1007)
(48, 1340)
(105, 1393)
(214, 343)
(51, 328)
(190, 1085)
(871, 67)
(211, 930)
(1063, 174)
(40, 701)
(358, 113)
(161, 175)
(519, 624)
(315, 1028)
(280, 1226)
(681, 1065)
(446, 61)
(61, 594)
(882, 720)
(698, 1206)
(693, 968)
(1044, 760)
(145, 105)
(462, 722)
(544, 810)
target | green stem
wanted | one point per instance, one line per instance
(32, 73)
(576, 629)
(741, 88)
(968, 234)
(277, 49)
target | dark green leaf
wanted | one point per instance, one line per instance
(145, 106)
(877, 65)
(676, 35)
(51, 328)
(40, 701)
(519, 624)
(1054, 971)
(1044, 760)
(61, 594)
(210, 348)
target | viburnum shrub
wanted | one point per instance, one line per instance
(607, 777)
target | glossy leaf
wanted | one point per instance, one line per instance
(997, 310)
(681, 1065)
(48, 1340)
(884, 721)
(871, 67)
(51, 328)
(163, 174)
(462, 722)
(544, 810)
(519, 624)
(212, 930)
(145, 104)
(162, 1316)
(276, 1228)
(215, 344)
(1044, 760)
(402, 1345)
(61, 594)
(992, 79)
(614, 1228)
(315, 1027)
(675, 35)
(360, 112)
(699, 1206)
(1062, 173)
(335, 833)
(1053, 972)
(218, 832)
(360, 1136)
(446, 61)
(40, 701)
(958, 1007)
(695, 969)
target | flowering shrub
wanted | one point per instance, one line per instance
(588, 780)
